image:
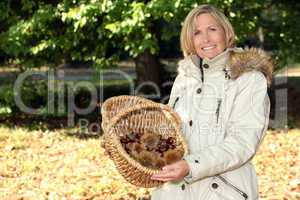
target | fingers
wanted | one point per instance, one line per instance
(164, 177)
(169, 167)
(173, 172)
(167, 174)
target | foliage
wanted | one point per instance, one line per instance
(32, 93)
(7, 99)
(276, 165)
(102, 31)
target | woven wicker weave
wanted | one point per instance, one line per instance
(112, 106)
(124, 114)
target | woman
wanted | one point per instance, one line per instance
(221, 96)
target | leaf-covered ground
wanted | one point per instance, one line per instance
(278, 165)
(55, 165)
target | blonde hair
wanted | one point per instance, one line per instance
(187, 31)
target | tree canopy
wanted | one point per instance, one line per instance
(34, 33)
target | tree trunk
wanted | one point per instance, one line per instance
(148, 70)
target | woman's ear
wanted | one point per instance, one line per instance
(229, 41)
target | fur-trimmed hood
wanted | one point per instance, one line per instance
(238, 61)
(251, 59)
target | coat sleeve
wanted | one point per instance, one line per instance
(245, 130)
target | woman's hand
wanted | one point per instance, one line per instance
(174, 172)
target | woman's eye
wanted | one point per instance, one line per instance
(212, 29)
(196, 32)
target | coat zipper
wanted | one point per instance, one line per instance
(218, 109)
(176, 100)
(233, 187)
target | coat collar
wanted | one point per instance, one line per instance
(236, 61)
(189, 66)
(217, 63)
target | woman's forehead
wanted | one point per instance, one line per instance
(204, 20)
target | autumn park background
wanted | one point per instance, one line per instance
(60, 59)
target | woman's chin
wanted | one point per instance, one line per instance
(210, 54)
(207, 55)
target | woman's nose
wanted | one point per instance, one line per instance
(205, 37)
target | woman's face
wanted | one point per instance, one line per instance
(209, 37)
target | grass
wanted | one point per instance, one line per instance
(55, 165)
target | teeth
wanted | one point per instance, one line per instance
(208, 48)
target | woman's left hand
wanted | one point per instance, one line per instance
(174, 172)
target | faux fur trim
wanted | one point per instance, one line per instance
(251, 59)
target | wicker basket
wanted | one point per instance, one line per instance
(124, 114)
(112, 106)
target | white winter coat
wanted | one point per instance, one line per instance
(224, 119)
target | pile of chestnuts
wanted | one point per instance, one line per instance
(152, 150)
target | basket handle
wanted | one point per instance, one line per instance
(166, 110)
(171, 115)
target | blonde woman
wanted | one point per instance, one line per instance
(220, 93)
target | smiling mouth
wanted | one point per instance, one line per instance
(208, 48)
